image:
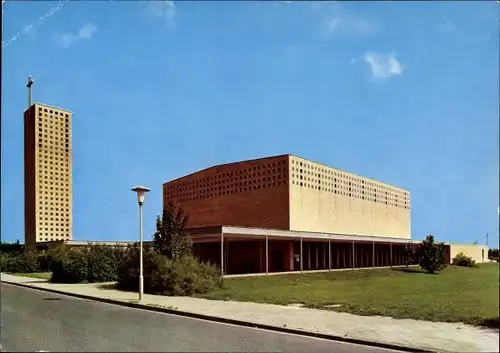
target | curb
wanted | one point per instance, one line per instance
(229, 321)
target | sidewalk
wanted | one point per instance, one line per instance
(434, 336)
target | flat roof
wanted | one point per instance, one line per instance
(225, 164)
(295, 156)
(236, 230)
(353, 174)
(51, 106)
(86, 242)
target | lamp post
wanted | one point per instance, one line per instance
(141, 191)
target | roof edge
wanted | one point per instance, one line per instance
(226, 164)
(50, 106)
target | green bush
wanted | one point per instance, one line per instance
(29, 261)
(166, 276)
(103, 262)
(463, 260)
(95, 263)
(71, 268)
(169, 268)
(6, 262)
(47, 258)
(20, 262)
(431, 255)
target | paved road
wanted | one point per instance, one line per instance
(33, 320)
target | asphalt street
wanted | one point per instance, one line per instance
(33, 320)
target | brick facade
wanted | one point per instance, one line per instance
(251, 193)
(29, 178)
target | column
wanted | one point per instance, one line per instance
(222, 253)
(344, 254)
(301, 253)
(329, 254)
(267, 255)
(316, 245)
(309, 256)
(391, 254)
(260, 258)
(373, 254)
(323, 266)
(353, 263)
(338, 255)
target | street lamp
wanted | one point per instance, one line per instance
(141, 191)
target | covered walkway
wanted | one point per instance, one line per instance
(239, 250)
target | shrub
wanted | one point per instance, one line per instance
(20, 262)
(493, 254)
(169, 267)
(7, 262)
(463, 260)
(166, 276)
(431, 255)
(28, 262)
(103, 262)
(95, 263)
(47, 258)
(71, 268)
(184, 276)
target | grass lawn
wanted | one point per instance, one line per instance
(456, 294)
(42, 275)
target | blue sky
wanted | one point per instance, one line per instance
(405, 93)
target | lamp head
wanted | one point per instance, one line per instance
(141, 191)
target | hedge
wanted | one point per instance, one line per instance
(165, 276)
(94, 263)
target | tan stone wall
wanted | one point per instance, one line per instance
(476, 251)
(324, 199)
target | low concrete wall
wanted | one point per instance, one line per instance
(477, 252)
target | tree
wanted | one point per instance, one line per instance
(170, 238)
(431, 255)
(411, 257)
(493, 254)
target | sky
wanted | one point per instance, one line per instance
(406, 93)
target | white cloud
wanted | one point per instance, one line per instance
(164, 10)
(85, 32)
(337, 20)
(347, 24)
(383, 66)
